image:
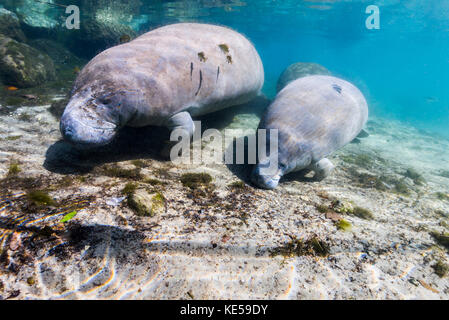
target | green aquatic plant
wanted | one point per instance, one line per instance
(441, 213)
(342, 206)
(14, 101)
(129, 188)
(298, 247)
(322, 208)
(363, 160)
(13, 138)
(162, 173)
(25, 117)
(441, 268)
(31, 281)
(444, 224)
(401, 187)
(237, 185)
(40, 198)
(195, 180)
(158, 202)
(343, 225)
(14, 169)
(363, 213)
(364, 180)
(139, 163)
(441, 238)
(360, 160)
(68, 216)
(415, 176)
(81, 179)
(153, 182)
(117, 172)
(382, 182)
(66, 181)
(442, 196)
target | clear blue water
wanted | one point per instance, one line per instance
(403, 68)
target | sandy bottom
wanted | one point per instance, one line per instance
(222, 242)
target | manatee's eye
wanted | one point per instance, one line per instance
(106, 101)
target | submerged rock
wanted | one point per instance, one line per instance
(10, 25)
(37, 15)
(299, 70)
(22, 65)
(146, 204)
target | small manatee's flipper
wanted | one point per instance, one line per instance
(180, 121)
(363, 134)
(322, 168)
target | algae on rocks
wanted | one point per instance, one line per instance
(343, 225)
(146, 204)
(22, 65)
(10, 25)
(441, 268)
(195, 180)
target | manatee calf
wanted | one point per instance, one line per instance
(161, 78)
(315, 116)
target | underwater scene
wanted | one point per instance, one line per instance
(224, 149)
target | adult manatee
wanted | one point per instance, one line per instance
(161, 78)
(314, 116)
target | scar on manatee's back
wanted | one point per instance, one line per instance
(191, 70)
(201, 83)
(337, 88)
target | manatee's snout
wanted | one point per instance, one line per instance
(86, 130)
(263, 180)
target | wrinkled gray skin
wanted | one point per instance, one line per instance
(162, 78)
(315, 116)
(300, 70)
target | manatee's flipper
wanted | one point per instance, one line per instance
(180, 121)
(322, 169)
(363, 134)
